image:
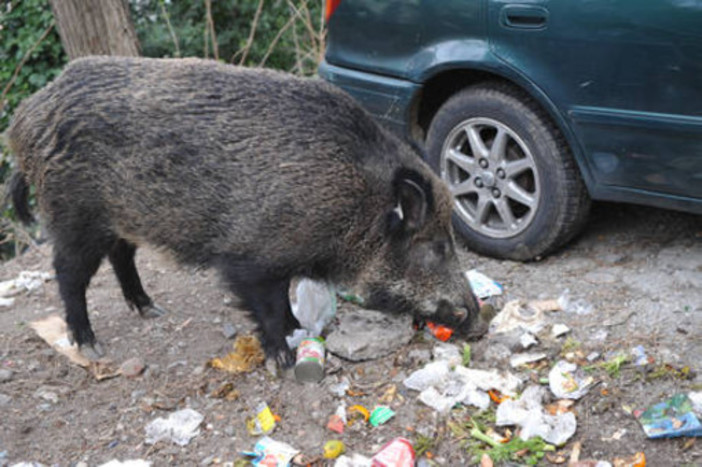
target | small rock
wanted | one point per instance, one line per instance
(5, 399)
(132, 368)
(47, 395)
(228, 330)
(368, 335)
(5, 375)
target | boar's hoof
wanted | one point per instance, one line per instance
(152, 311)
(92, 351)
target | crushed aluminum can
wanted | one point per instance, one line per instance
(397, 453)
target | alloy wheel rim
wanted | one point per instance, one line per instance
(493, 177)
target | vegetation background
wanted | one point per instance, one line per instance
(283, 34)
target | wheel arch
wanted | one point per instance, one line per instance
(439, 85)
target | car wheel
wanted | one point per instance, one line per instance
(517, 190)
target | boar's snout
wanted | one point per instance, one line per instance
(466, 320)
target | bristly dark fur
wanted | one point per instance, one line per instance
(18, 190)
(259, 174)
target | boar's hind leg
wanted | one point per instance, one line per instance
(76, 260)
(122, 259)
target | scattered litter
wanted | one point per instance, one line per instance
(578, 307)
(397, 453)
(368, 334)
(671, 418)
(6, 302)
(337, 421)
(525, 358)
(506, 382)
(696, 398)
(333, 449)
(262, 422)
(616, 436)
(640, 357)
(26, 281)
(339, 389)
(269, 452)
(314, 308)
(128, 463)
(528, 413)
(567, 381)
(592, 356)
(441, 332)
(527, 340)
(356, 460)
(637, 460)
(229, 331)
(517, 315)
(226, 391)
(54, 331)
(309, 366)
(246, 356)
(559, 330)
(443, 385)
(180, 427)
(357, 411)
(483, 287)
(448, 352)
(381, 415)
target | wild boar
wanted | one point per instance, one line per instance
(259, 174)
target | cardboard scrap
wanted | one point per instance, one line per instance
(247, 355)
(54, 331)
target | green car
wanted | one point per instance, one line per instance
(530, 109)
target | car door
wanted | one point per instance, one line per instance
(627, 77)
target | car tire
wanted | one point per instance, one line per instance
(517, 189)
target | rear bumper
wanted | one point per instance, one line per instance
(389, 100)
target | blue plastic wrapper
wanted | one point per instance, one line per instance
(671, 418)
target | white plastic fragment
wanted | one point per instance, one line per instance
(314, 308)
(482, 285)
(696, 398)
(524, 358)
(527, 340)
(26, 281)
(447, 352)
(127, 463)
(432, 373)
(180, 427)
(7, 301)
(578, 307)
(517, 315)
(559, 330)
(506, 383)
(567, 381)
(528, 413)
(268, 451)
(355, 460)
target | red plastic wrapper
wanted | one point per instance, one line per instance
(439, 331)
(397, 453)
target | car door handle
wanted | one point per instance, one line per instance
(524, 17)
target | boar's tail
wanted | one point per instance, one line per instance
(18, 191)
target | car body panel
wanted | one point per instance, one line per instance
(622, 79)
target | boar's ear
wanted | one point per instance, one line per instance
(414, 199)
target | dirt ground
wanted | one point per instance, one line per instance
(640, 269)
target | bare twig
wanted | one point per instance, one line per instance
(19, 66)
(275, 40)
(211, 27)
(167, 17)
(249, 42)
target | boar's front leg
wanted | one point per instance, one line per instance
(268, 300)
